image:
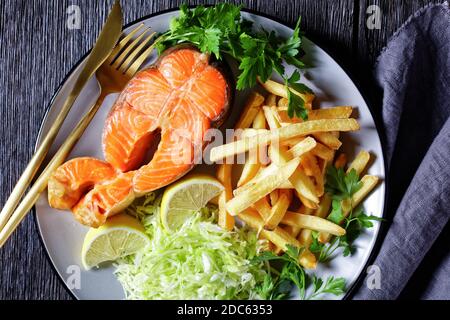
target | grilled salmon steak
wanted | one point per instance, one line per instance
(74, 178)
(180, 97)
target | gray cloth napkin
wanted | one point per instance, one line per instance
(414, 73)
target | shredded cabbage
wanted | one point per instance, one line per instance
(199, 261)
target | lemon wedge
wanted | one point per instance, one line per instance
(185, 197)
(120, 236)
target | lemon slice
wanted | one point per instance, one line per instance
(185, 197)
(120, 236)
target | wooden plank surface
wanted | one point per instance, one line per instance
(38, 50)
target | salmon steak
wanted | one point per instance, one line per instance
(178, 99)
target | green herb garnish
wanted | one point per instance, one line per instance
(342, 186)
(278, 284)
(355, 223)
(220, 29)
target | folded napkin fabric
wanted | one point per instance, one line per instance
(414, 74)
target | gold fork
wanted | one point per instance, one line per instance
(122, 64)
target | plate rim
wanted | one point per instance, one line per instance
(378, 126)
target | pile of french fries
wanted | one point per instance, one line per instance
(281, 192)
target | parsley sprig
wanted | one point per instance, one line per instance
(220, 29)
(354, 225)
(278, 284)
(342, 186)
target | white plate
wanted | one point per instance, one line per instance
(63, 236)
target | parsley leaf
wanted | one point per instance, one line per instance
(355, 223)
(332, 285)
(354, 226)
(324, 251)
(296, 104)
(265, 288)
(279, 284)
(316, 246)
(336, 214)
(341, 185)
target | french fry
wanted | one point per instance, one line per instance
(256, 191)
(299, 180)
(277, 250)
(250, 168)
(305, 237)
(314, 170)
(274, 154)
(253, 163)
(283, 104)
(274, 195)
(305, 187)
(336, 134)
(260, 121)
(305, 210)
(262, 206)
(341, 161)
(269, 246)
(271, 100)
(251, 109)
(226, 221)
(307, 259)
(262, 174)
(293, 130)
(302, 147)
(279, 237)
(307, 165)
(277, 212)
(324, 206)
(360, 162)
(339, 112)
(292, 141)
(289, 192)
(252, 132)
(328, 139)
(306, 202)
(343, 112)
(271, 118)
(280, 90)
(292, 231)
(323, 152)
(312, 222)
(368, 184)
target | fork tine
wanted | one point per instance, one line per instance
(140, 60)
(123, 43)
(135, 53)
(120, 59)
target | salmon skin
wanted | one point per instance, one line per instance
(183, 95)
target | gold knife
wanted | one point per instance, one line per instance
(105, 44)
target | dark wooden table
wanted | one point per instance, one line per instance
(37, 51)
